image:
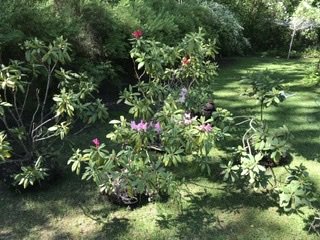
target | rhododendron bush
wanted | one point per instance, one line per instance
(167, 126)
(40, 103)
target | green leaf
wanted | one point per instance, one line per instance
(140, 65)
(114, 122)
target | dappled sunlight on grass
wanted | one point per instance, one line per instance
(72, 209)
(301, 112)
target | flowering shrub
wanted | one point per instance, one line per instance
(163, 130)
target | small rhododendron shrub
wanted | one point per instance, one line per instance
(162, 130)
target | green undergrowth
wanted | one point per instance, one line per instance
(72, 209)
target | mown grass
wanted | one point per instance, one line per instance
(72, 209)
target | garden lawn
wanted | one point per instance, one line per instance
(72, 209)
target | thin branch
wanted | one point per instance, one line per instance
(42, 124)
(81, 129)
(25, 100)
(17, 109)
(50, 71)
(247, 120)
(35, 112)
(45, 138)
(11, 113)
(250, 123)
(274, 176)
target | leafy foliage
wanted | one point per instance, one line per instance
(5, 148)
(163, 132)
(297, 190)
(33, 130)
(267, 90)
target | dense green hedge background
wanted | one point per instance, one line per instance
(99, 29)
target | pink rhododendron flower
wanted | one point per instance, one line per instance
(142, 126)
(137, 34)
(96, 142)
(133, 125)
(205, 127)
(157, 127)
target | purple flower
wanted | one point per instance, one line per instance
(205, 127)
(142, 126)
(96, 142)
(157, 127)
(133, 125)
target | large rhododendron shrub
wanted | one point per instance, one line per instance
(168, 125)
(40, 103)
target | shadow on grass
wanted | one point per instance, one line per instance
(23, 213)
(115, 228)
(198, 221)
(17, 222)
(194, 221)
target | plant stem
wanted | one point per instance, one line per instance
(261, 111)
(274, 176)
(50, 71)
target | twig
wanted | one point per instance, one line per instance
(50, 71)
(45, 138)
(242, 122)
(83, 128)
(35, 112)
(42, 124)
(11, 113)
(25, 99)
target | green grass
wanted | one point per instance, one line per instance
(72, 209)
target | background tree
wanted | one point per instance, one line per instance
(305, 16)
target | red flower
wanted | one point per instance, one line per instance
(137, 34)
(96, 142)
(185, 61)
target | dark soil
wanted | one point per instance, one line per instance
(269, 163)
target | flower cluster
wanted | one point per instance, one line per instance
(182, 95)
(143, 126)
(140, 127)
(137, 34)
(205, 127)
(187, 119)
(96, 142)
